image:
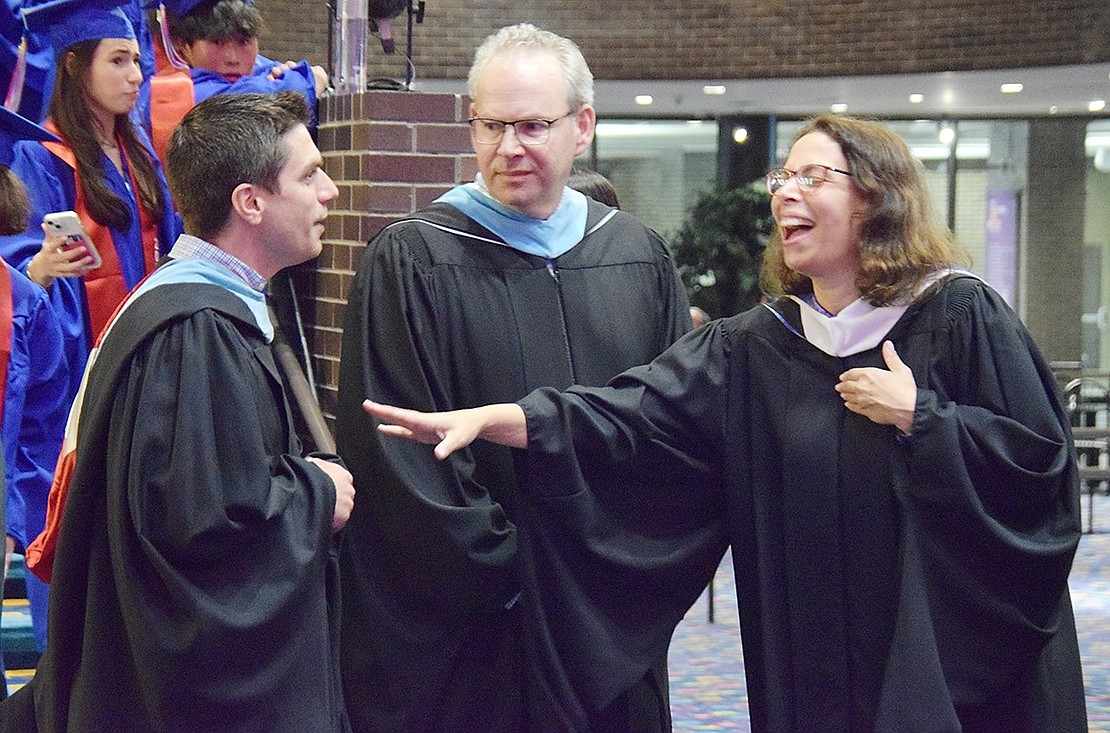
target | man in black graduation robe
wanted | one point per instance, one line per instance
(478, 298)
(885, 582)
(439, 316)
(194, 583)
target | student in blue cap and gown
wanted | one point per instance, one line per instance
(33, 378)
(103, 168)
(27, 60)
(211, 47)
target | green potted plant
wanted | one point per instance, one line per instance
(719, 248)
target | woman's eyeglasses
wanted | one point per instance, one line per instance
(809, 177)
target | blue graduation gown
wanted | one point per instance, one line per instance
(35, 407)
(52, 187)
(36, 403)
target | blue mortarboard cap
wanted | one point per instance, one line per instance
(14, 128)
(67, 22)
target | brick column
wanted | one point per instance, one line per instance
(389, 153)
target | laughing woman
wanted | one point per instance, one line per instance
(882, 445)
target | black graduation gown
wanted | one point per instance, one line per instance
(884, 583)
(194, 582)
(444, 315)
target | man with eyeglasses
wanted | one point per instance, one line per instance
(502, 285)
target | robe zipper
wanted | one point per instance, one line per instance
(553, 269)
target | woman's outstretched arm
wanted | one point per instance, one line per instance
(503, 424)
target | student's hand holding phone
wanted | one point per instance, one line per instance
(66, 252)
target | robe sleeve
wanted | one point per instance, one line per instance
(456, 540)
(220, 535)
(50, 187)
(990, 484)
(35, 407)
(207, 83)
(626, 508)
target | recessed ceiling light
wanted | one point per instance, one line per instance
(1053, 109)
(1011, 88)
(644, 99)
(838, 108)
(917, 98)
(713, 90)
(1096, 105)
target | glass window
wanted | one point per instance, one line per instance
(1096, 249)
(658, 167)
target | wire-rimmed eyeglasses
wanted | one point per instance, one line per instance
(809, 177)
(489, 131)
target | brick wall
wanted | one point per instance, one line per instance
(638, 39)
(389, 154)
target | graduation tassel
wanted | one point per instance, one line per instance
(14, 96)
(171, 52)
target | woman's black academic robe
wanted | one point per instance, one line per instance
(884, 582)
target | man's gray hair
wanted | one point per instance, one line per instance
(580, 80)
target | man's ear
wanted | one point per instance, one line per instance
(586, 121)
(247, 204)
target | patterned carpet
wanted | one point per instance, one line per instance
(707, 672)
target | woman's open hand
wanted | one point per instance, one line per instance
(449, 431)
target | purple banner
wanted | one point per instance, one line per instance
(1000, 268)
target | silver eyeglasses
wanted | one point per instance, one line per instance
(488, 131)
(809, 177)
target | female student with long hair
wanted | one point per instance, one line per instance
(103, 169)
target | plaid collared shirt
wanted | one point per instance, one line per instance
(189, 246)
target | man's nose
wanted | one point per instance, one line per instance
(509, 144)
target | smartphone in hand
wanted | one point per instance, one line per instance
(65, 224)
